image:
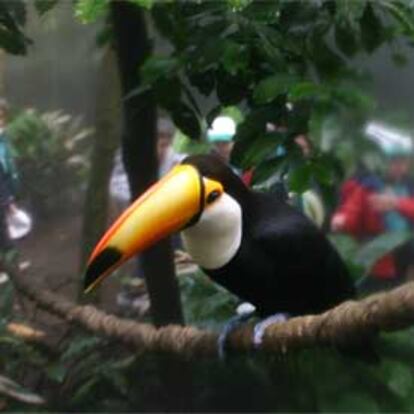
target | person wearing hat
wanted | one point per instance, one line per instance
(167, 156)
(221, 135)
(372, 205)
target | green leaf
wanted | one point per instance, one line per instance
(400, 378)
(268, 89)
(299, 178)
(13, 40)
(16, 10)
(372, 30)
(326, 60)
(80, 346)
(88, 11)
(267, 169)
(43, 6)
(306, 90)
(400, 59)
(350, 95)
(322, 171)
(158, 67)
(346, 245)
(168, 91)
(6, 300)
(233, 57)
(118, 381)
(203, 81)
(230, 89)
(238, 5)
(252, 127)
(371, 252)
(346, 38)
(146, 4)
(56, 372)
(263, 147)
(350, 10)
(350, 401)
(85, 390)
(186, 120)
(402, 13)
(205, 303)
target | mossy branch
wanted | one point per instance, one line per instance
(388, 311)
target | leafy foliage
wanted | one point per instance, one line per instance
(286, 63)
(18, 358)
(361, 258)
(205, 304)
(87, 11)
(43, 6)
(50, 151)
(12, 21)
(371, 252)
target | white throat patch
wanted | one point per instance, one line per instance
(215, 238)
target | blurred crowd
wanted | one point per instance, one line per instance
(368, 203)
(372, 204)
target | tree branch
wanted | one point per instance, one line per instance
(389, 311)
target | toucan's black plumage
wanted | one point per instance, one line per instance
(254, 244)
(284, 262)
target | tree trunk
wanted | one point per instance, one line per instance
(106, 140)
(139, 155)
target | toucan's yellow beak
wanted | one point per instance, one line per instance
(166, 207)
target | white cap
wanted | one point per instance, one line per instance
(222, 129)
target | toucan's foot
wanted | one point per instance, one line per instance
(260, 327)
(232, 324)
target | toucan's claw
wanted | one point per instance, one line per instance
(231, 325)
(260, 327)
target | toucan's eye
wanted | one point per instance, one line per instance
(214, 195)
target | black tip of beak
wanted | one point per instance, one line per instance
(100, 264)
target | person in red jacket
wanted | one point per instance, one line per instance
(370, 206)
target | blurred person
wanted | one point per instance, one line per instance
(119, 186)
(371, 205)
(302, 141)
(6, 158)
(8, 180)
(221, 135)
(167, 156)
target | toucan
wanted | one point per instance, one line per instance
(254, 244)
